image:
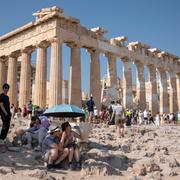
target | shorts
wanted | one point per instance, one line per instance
(118, 120)
(72, 145)
(45, 157)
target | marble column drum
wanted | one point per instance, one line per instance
(112, 70)
(95, 83)
(153, 97)
(41, 76)
(12, 79)
(163, 96)
(25, 78)
(2, 73)
(140, 87)
(55, 88)
(65, 99)
(127, 83)
(75, 76)
(173, 107)
(178, 90)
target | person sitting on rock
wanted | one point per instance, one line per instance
(36, 131)
(68, 141)
(53, 151)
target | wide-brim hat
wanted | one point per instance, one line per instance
(54, 129)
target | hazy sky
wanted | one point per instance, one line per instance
(154, 22)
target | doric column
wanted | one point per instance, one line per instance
(12, 78)
(25, 77)
(163, 96)
(153, 97)
(173, 93)
(2, 73)
(75, 75)
(65, 91)
(178, 90)
(140, 86)
(127, 83)
(41, 75)
(95, 83)
(55, 88)
(112, 70)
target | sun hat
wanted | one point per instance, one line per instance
(53, 128)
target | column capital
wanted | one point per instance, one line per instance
(3, 58)
(28, 50)
(73, 44)
(137, 62)
(43, 44)
(125, 59)
(15, 54)
(92, 50)
(55, 39)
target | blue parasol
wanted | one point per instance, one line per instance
(64, 110)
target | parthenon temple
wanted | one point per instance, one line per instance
(52, 28)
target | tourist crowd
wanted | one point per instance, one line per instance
(60, 143)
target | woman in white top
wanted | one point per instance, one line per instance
(157, 121)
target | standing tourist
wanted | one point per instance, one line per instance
(157, 122)
(5, 112)
(29, 109)
(96, 115)
(145, 116)
(119, 120)
(140, 116)
(90, 105)
(24, 111)
(128, 115)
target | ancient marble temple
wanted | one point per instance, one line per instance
(52, 28)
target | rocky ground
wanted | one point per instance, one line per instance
(144, 153)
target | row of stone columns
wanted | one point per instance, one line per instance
(164, 104)
(55, 86)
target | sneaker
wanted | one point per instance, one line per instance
(78, 165)
(27, 146)
(50, 166)
(70, 167)
(57, 166)
(38, 148)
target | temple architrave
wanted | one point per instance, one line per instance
(52, 28)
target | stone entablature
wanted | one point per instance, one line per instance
(51, 22)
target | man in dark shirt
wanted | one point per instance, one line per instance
(5, 112)
(90, 105)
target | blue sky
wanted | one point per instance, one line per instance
(154, 22)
